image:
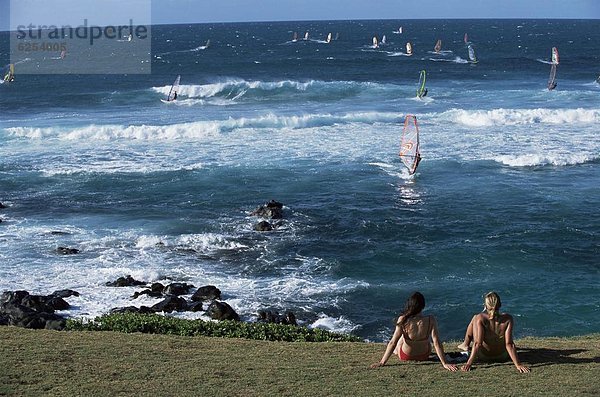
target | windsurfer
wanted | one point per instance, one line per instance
(174, 96)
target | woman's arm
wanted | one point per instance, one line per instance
(477, 341)
(439, 349)
(390, 346)
(511, 348)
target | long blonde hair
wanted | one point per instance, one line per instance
(492, 304)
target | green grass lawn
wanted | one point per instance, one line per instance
(50, 363)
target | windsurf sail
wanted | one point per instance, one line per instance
(438, 46)
(295, 37)
(466, 38)
(306, 36)
(400, 30)
(329, 37)
(9, 74)
(409, 144)
(472, 56)
(421, 90)
(63, 54)
(408, 48)
(337, 36)
(383, 40)
(375, 42)
(207, 43)
(555, 59)
(552, 79)
(174, 88)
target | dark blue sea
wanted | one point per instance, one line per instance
(506, 198)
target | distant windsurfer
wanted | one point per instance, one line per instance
(9, 77)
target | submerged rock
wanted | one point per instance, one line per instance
(67, 251)
(272, 210)
(263, 226)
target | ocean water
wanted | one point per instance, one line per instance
(506, 197)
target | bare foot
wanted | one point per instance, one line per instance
(463, 347)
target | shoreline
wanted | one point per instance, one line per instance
(41, 362)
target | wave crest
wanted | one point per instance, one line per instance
(495, 117)
(200, 129)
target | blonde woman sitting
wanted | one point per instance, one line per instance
(411, 339)
(491, 334)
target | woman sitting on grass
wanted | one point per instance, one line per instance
(491, 333)
(411, 340)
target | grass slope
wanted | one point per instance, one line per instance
(49, 363)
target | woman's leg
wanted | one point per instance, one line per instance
(466, 345)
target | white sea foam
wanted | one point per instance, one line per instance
(338, 324)
(199, 129)
(557, 159)
(494, 117)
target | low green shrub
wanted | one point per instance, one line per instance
(157, 324)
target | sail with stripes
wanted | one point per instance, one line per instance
(421, 90)
(438, 46)
(409, 145)
(552, 79)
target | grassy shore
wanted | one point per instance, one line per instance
(50, 363)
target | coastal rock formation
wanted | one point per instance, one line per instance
(263, 226)
(221, 311)
(20, 309)
(132, 309)
(206, 293)
(271, 210)
(178, 289)
(170, 304)
(126, 281)
(268, 316)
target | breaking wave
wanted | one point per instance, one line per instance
(199, 129)
(494, 117)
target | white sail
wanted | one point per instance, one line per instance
(295, 37)
(375, 42)
(555, 58)
(409, 48)
(306, 36)
(329, 38)
(472, 56)
(383, 40)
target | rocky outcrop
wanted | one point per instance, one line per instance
(21, 309)
(126, 281)
(268, 316)
(271, 210)
(206, 293)
(221, 311)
